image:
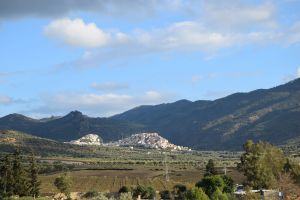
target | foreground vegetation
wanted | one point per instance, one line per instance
(263, 165)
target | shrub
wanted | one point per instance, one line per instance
(166, 194)
(90, 194)
(124, 189)
(210, 184)
(145, 192)
(126, 196)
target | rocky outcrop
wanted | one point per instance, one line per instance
(148, 140)
(90, 139)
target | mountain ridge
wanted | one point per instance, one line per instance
(226, 123)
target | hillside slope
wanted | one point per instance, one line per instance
(271, 114)
(266, 114)
(70, 127)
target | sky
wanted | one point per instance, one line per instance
(103, 57)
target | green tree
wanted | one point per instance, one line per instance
(210, 168)
(145, 192)
(20, 183)
(219, 195)
(63, 184)
(229, 184)
(210, 184)
(34, 183)
(262, 164)
(195, 194)
(6, 177)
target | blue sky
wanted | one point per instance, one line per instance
(105, 57)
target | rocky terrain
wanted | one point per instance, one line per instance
(148, 140)
(90, 139)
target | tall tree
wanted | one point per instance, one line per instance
(210, 168)
(262, 164)
(6, 177)
(20, 184)
(63, 184)
(34, 183)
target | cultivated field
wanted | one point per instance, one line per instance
(112, 180)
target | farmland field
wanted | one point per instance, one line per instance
(112, 180)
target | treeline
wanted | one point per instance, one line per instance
(18, 179)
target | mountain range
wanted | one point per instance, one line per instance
(224, 124)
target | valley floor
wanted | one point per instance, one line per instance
(113, 180)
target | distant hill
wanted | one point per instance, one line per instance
(223, 124)
(72, 126)
(43, 147)
(266, 114)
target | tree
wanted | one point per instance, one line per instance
(210, 184)
(34, 183)
(262, 163)
(229, 184)
(63, 184)
(219, 195)
(145, 192)
(210, 168)
(20, 184)
(6, 177)
(195, 194)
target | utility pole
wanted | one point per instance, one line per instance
(166, 168)
(225, 170)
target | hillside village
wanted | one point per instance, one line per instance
(145, 140)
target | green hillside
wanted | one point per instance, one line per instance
(271, 114)
(224, 124)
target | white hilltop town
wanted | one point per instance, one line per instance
(90, 139)
(145, 140)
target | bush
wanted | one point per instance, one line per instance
(145, 192)
(103, 196)
(126, 196)
(210, 184)
(124, 189)
(63, 184)
(90, 194)
(166, 194)
(179, 190)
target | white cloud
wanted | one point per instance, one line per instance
(96, 104)
(77, 33)
(213, 26)
(237, 14)
(290, 77)
(4, 100)
(109, 86)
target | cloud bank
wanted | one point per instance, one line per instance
(96, 104)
